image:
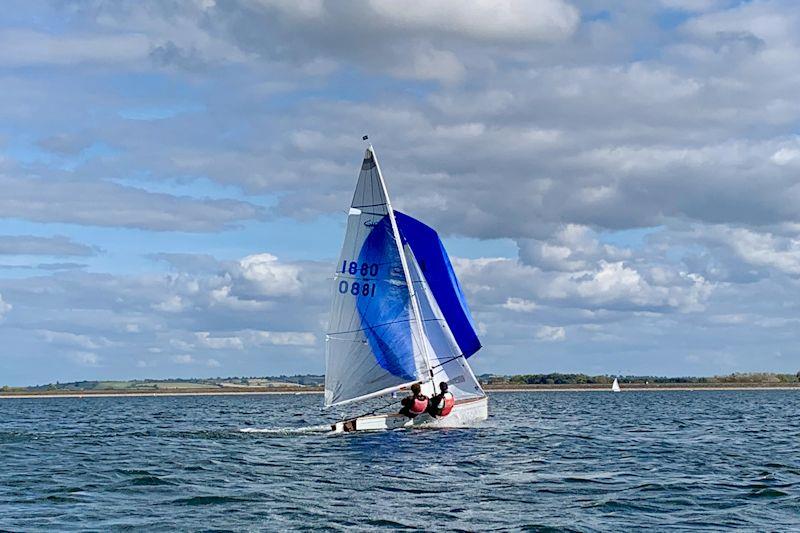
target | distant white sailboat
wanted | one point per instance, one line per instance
(398, 315)
(615, 386)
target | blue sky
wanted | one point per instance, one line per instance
(617, 182)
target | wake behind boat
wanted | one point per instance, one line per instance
(398, 315)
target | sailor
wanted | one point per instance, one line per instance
(442, 403)
(416, 404)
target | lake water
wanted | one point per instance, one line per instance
(576, 461)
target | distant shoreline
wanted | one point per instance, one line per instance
(187, 392)
(493, 388)
(571, 387)
(653, 389)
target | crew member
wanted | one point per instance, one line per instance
(416, 404)
(442, 403)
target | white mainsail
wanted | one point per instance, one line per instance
(615, 386)
(387, 329)
(367, 286)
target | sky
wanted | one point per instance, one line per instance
(617, 182)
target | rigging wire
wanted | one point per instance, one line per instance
(378, 408)
(448, 361)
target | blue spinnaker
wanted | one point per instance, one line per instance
(438, 271)
(383, 302)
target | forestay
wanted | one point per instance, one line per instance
(373, 345)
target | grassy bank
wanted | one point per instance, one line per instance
(314, 383)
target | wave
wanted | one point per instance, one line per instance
(211, 500)
(149, 481)
(288, 430)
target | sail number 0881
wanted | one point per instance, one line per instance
(357, 288)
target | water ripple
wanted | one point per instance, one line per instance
(706, 460)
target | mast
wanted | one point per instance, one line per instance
(406, 273)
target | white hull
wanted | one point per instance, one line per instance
(465, 413)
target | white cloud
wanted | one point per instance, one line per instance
(729, 319)
(282, 338)
(59, 245)
(572, 248)
(299, 9)
(785, 155)
(219, 343)
(180, 344)
(270, 276)
(761, 248)
(427, 63)
(5, 307)
(759, 19)
(693, 5)
(498, 21)
(186, 359)
(85, 358)
(101, 203)
(222, 296)
(520, 305)
(66, 338)
(611, 281)
(26, 48)
(603, 284)
(551, 334)
(173, 304)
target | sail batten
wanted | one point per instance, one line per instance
(371, 205)
(333, 333)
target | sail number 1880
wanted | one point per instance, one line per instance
(365, 269)
(358, 288)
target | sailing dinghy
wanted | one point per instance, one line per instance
(615, 386)
(398, 315)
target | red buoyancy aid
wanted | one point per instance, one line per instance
(419, 405)
(449, 402)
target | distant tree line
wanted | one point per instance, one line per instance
(584, 379)
(517, 379)
(152, 384)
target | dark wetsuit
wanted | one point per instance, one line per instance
(433, 404)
